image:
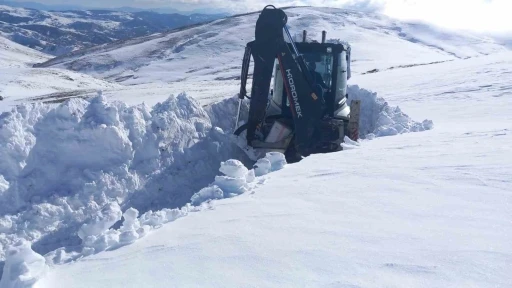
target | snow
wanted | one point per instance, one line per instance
(131, 229)
(207, 193)
(80, 164)
(71, 25)
(19, 12)
(23, 267)
(316, 225)
(380, 119)
(20, 83)
(45, 85)
(14, 55)
(113, 192)
(233, 168)
(426, 209)
(97, 237)
(109, 215)
(73, 163)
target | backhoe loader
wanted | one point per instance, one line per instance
(306, 110)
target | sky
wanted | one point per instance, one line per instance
(484, 16)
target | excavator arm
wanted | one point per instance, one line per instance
(306, 105)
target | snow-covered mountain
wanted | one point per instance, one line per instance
(59, 32)
(19, 82)
(216, 49)
(66, 7)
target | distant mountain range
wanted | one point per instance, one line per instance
(65, 7)
(60, 32)
(214, 50)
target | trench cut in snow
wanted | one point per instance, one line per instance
(69, 173)
(97, 235)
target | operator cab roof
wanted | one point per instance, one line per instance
(315, 47)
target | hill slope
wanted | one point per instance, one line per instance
(19, 82)
(13, 55)
(59, 32)
(215, 50)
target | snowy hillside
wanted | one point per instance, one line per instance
(19, 83)
(215, 50)
(13, 55)
(59, 32)
(424, 209)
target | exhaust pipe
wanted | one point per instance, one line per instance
(323, 36)
(304, 34)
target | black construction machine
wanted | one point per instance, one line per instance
(306, 111)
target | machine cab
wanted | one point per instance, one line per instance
(329, 63)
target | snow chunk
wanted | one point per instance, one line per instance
(207, 193)
(272, 161)
(97, 243)
(131, 225)
(277, 160)
(231, 186)
(158, 218)
(23, 266)
(233, 168)
(262, 167)
(235, 181)
(130, 220)
(250, 176)
(101, 222)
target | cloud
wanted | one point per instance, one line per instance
(475, 15)
(485, 16)
(365, 5)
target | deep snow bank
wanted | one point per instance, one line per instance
(69, 165)
(379, 119)
(69, 173)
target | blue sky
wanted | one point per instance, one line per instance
(475, 15)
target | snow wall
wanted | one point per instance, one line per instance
(71, 172)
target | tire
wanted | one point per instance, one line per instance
(291, 154)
